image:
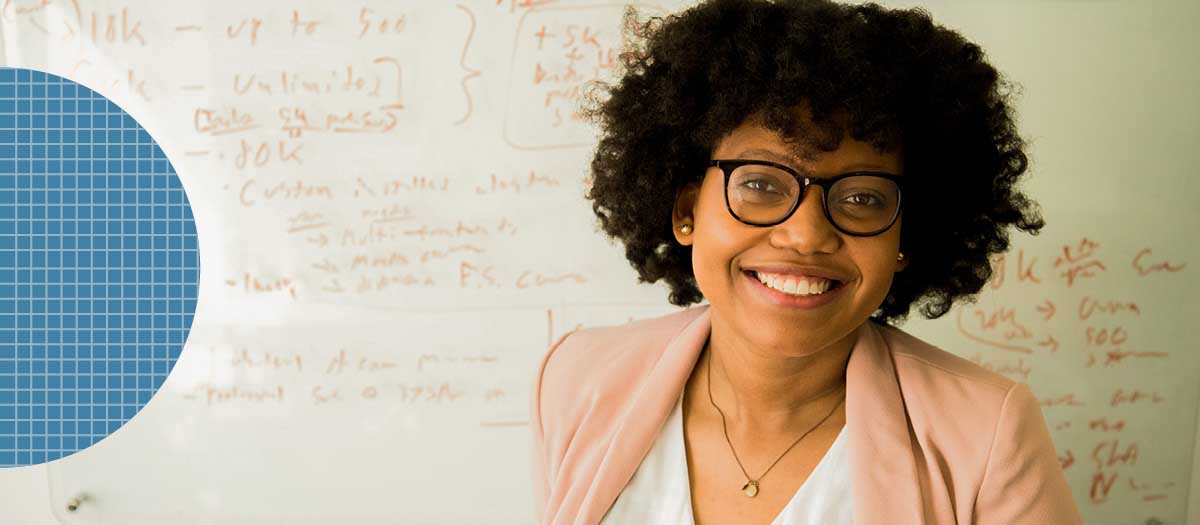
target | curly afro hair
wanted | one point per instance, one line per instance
(891, 78)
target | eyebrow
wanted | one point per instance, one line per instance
(794, 163)
(787, 160)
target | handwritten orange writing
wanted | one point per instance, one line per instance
(212, 395)
(379, 25)
(514, 5)
(268, 360)
(1049, 342)
(516, 184)
(1113, 357)
(558, 53)
(437, 393)
(376, 283)
(254, 284)
(1067, 460)
(478, 276)
(105, 27)
(261, 154)
(1102, 424)
(468, 72)
(1063, 400)
(254, 24)
(1101, 485)
(1047, 308)
(1106, 336)
(306, 220)
(320, 395)
(1089, 307)
(222, 122)
(300, 24)
(1001, 323)
(436, 254)
(401, 185)
(438, 359)
(343, 362)
(393, 213)
(1024, 271)
(1144, 268)
(389, 260)
(378, 80)
(1078, 262)
(1110, 453)
(294, 190)
(495, 394)
(530, 279)
(11, 8)
(130, 81)
(1123, 397)
(297, 120)
(1142, 487)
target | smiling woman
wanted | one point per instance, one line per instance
(813, 170)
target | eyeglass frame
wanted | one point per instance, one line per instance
(728, 165)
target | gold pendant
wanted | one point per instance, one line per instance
(750, 489)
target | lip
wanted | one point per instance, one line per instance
(798, 270)
(779, 298)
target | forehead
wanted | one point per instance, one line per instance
(751, 140)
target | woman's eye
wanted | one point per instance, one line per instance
(761, 185)
(862, 199)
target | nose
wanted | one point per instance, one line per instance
(808, 230)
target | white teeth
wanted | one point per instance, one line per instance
(794, 286)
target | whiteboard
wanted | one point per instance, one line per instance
(389, 201)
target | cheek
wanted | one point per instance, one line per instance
(877, 281)
(878, 268)
(708, 263)
(886, 276)
(717, 241)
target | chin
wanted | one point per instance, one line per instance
(794, 341)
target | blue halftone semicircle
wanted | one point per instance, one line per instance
(99, 267)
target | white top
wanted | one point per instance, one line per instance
(659, 492)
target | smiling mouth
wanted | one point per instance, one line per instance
(799, 286)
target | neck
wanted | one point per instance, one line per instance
(773, 390)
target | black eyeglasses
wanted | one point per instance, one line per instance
(762, 193)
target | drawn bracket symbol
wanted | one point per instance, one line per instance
(462, 62)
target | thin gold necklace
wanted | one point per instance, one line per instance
(750, 489)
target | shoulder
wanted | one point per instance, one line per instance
(599, 346)
(592, 358)
(986, 430)
(943, 393)
(919, 361)
(596, 364)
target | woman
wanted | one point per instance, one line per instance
(814, 171)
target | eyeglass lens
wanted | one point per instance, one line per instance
(858, 204)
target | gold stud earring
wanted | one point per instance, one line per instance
(686, 229)
(900, 257)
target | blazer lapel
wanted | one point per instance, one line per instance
(883, 471)
(647, 413)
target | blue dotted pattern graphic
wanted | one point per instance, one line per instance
(99, 267)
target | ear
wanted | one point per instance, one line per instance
(684, 212)
(902, 261)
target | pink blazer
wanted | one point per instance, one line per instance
(933, 438)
